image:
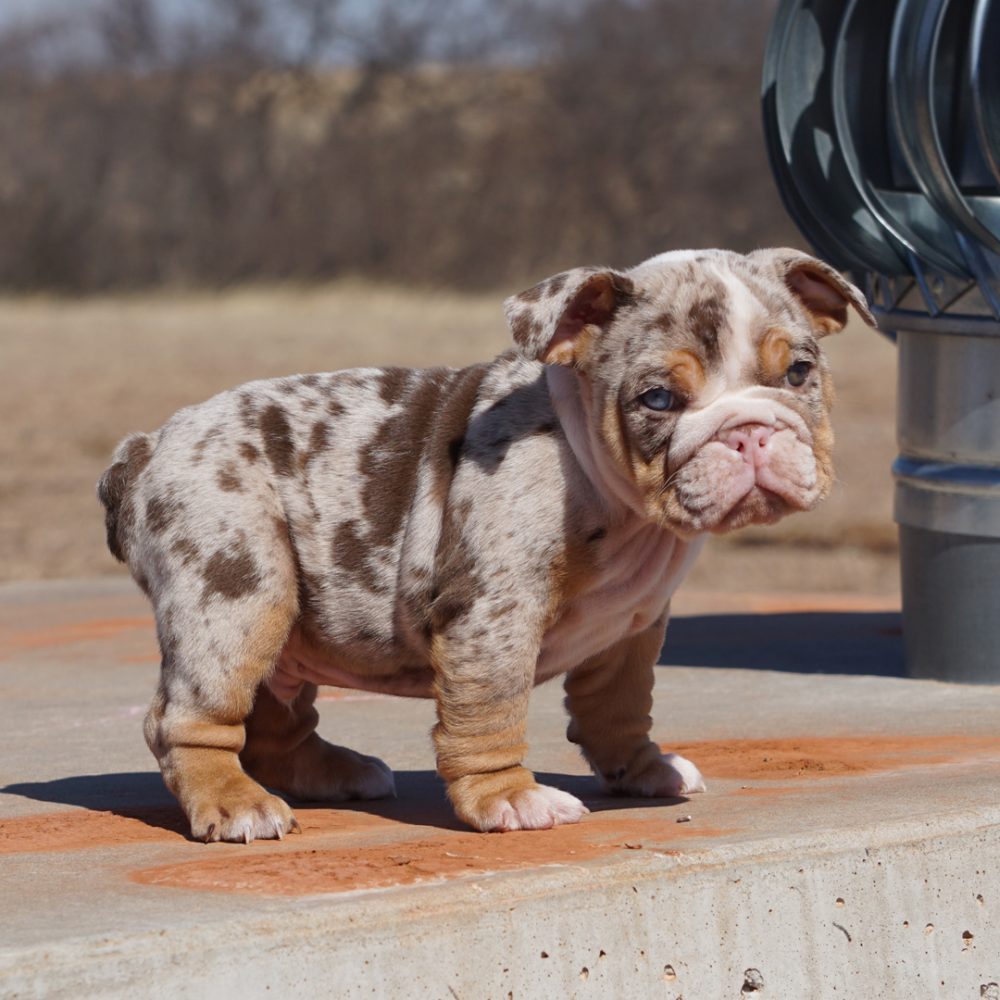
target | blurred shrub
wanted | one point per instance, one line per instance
(457, 143)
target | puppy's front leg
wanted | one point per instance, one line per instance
(483, 681)
(609, 698)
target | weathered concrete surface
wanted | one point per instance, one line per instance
(849, 844)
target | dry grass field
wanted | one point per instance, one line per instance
(78, 374)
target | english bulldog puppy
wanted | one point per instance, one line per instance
(466, 534)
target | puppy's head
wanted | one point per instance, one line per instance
(700, 378)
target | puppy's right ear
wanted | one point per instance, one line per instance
(556, 320)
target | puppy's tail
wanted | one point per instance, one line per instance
(115, 487)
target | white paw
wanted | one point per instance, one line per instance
(667, 777)
(689, 776)
(537, 808)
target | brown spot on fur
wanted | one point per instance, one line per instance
(115, 492)
(318, 440)
(555, 284)
(392, 383)
(160, 513)
(199, 449)
(614, 431)
(774, 356)
(228, 480)
(350, 553)
(534, 293)
(570, 574)
(525, 328)
(166, 636)
(705, 318)
(389, 461)
(624, 285)
(664, 320)
(278, 442)
(247, 410)
(335, 408)
(638, 441)
(230, 575)
(686, 372)
(249, 452)
(458, 584)
(186, 549)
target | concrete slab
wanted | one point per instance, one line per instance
(847, 846)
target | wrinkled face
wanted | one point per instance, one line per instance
(700, 378)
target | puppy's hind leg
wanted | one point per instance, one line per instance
(284, 751)
(609, 698)
(217, 648)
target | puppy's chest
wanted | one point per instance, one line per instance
(636, 572)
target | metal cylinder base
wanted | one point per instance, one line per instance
(951, 605)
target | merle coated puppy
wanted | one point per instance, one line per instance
(466, 534)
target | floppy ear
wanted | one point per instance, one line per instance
(555, 320)
(821, 289)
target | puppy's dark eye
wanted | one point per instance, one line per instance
(798, 373)
(658, 399)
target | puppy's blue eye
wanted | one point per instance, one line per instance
(798, 373)
(658, 399)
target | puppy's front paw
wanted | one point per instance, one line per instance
(528, 807)
(537, 808)
(665, 776)
(241, 814)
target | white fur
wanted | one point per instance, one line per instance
(689, 776)
(538, 808)
(629, 594)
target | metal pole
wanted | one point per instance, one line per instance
(948, 499)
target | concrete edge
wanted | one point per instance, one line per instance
(581, 902)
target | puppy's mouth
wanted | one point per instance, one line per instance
(748, 474)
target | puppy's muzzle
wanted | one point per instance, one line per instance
(750, 442)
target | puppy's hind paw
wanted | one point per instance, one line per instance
(690, 777)
(666, 776)
(374, 780)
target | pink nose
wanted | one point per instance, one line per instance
(750, 440)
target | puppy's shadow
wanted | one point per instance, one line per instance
(420, 798)
(132, 795)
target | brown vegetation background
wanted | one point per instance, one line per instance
(460, 144)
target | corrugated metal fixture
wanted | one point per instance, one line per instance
(882, 120)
